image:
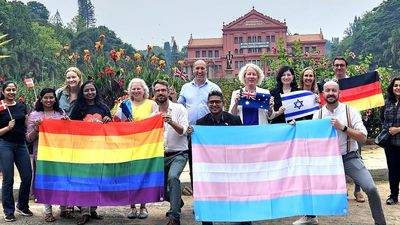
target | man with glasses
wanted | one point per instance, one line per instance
(340, 69)
(175, 147)
(217, 117)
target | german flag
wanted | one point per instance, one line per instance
(361, 92)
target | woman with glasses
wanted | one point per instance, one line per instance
(251, 75)
(286, 83)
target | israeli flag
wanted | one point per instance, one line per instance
(299, 104)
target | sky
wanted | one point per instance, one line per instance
(153, 22)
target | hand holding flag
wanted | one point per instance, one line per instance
(299, 104)
(4, 106)
(254, 100)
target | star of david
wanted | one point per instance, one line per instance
(298, 104)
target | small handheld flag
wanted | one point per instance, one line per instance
(3, 106)
(181, 74)
(299, 104)
(29, 82)
(254, 100)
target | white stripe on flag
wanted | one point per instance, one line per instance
(267, 171)
(299, 104)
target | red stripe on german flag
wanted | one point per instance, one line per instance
(361, 92)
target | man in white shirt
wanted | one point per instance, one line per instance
(351, 130)
(175, 147)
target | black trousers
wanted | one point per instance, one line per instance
(393, 162)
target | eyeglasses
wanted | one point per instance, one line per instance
(330, 79)
(214, 102)
(339, 65)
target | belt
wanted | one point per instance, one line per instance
(169, 154)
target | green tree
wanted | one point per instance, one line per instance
(56, 19)
(38, 12)
(86, 11)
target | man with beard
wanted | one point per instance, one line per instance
(340, 69)
(193, 96)
(351, 130)
(217, 117)
(175, 147)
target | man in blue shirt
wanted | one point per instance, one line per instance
(194, 96)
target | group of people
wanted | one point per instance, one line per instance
(200, 102)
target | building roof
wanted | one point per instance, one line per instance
(205, 42)
(254, 12)
(305, 37)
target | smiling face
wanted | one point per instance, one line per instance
(250, 77)
(72, 79)
(340, 68)
(200, 71)
(9, 92)
(89, 92)
(396, 89)
(161, 93)
(215, 104)
(287, 78)
(48, 100)
(331, 92)
(136, 92)
(308, 78)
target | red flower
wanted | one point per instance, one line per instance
(109, 71)
(121, 82)
(1, 79)
(113, 55)
(101, 74)
(274, 50)
(21, 99)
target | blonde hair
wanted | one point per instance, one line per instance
(314, 87)
(65, 88)
(243, 70)
(142, 83)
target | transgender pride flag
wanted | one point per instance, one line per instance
(249, 173)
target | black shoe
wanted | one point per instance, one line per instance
(392, 200)
(24, 212)
(182, 203)
(96, 216)
(9, 218)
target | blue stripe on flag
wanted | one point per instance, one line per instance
(122, 183)
(330, 204)
(296, 96)
(241, 135)
(301, 112)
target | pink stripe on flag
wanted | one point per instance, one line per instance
(252, 153)
(253, 191)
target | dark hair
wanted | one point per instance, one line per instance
(162, 82)
(39, 105)
(339, 58)
(80, 105)
(281, 71)
(389, 90)
(5, 84)
(216, 93)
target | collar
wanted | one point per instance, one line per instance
(205, 83)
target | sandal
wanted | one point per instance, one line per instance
(49, 218)
(143, 213)
(83, 220)
(96, 216)
(133, 214)
(66, 215)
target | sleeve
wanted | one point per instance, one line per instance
(234, 93)
(107, 111)
(183, 119)
(356, 121)
(75, 114)
(181, 99)
(30, 124)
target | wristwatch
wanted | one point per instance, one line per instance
(344, 129)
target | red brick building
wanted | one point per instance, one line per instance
(247, 38)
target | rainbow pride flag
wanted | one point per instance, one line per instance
(95, 164)
(250, 173)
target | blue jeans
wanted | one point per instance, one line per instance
(11, 153)
(174, 166)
